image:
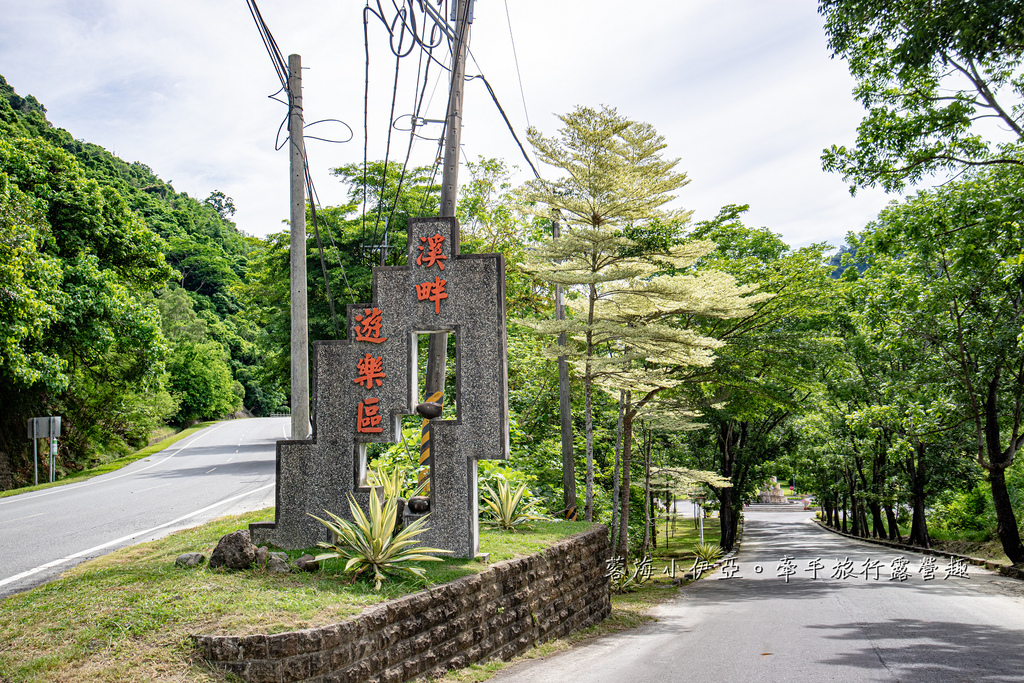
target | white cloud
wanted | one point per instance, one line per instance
(744, 92)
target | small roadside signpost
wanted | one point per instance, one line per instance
(44, 428)
(699, 500)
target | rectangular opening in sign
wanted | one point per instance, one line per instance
(377, 461)
(448, 400)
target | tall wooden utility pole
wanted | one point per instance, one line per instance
(300, 326)
(437, 350)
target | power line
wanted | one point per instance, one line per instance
(515, 57)
(281, 69)
(505, 118)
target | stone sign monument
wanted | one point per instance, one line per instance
(363, 385)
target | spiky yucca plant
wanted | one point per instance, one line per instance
(371, 543)
(709, 552)
(507, 508)
(394, 481)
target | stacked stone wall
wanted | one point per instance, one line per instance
(496, 614)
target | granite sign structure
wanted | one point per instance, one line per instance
(362, 386)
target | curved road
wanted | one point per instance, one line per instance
(226, 468)
(757, 627)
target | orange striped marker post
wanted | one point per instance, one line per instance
(425, 459)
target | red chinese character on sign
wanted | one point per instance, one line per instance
(370, 369)
(432, 291)
(368, 328)
(368, 418)
(433, 254)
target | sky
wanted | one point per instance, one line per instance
(744, 92)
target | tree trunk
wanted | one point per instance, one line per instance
(588, 389)
(1006, 520)
(587, 392)
(854, 504)
(627, 455)
(844, 514)
(919, 523)
(894, 527)
(877, 526)
(729, 518)
(646, 551)
(615, 476)
(999, 460)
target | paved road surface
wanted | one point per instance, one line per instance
(224, 469)
(756, 627)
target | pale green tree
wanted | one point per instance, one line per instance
(616, 181)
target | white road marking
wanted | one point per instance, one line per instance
(228, 460)
(209, 470)
(96, 480)
(116, 541)
(154, 487)
(18, 519)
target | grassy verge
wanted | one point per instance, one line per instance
(128, 616)
(113, 464)
(967, 543)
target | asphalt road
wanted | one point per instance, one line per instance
(759, 627)
(226, 468)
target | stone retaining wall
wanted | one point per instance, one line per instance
(496, 614)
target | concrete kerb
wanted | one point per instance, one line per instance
(1004, 569)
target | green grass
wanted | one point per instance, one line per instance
(980, 544)
(113, 464)
(682, 537)
(128, 616)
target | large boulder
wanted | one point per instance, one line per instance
(234, 551)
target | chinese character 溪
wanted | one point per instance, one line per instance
(433, 254)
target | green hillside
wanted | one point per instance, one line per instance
(119, 304)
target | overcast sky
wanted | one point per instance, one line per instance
(743, 91)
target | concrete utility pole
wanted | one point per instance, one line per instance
(300, 326)
(437, 349)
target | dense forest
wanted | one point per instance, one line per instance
(885, 377)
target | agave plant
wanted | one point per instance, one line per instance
(509, 509)
(371, 542)
(708, 552)
(394, 481)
